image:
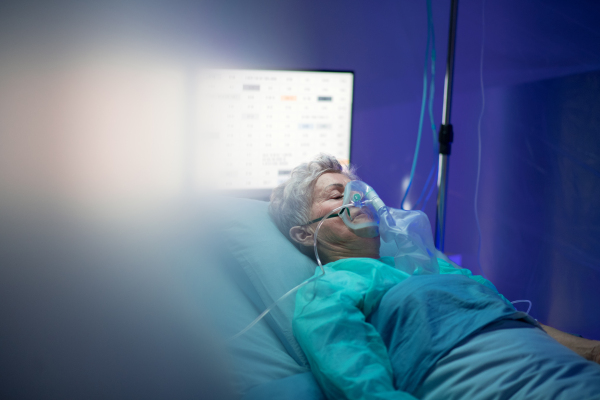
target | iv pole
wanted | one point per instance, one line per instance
(446, 134)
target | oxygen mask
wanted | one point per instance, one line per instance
(360, 212)
(363, 204)
(365, 214)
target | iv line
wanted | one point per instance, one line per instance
(294, 289)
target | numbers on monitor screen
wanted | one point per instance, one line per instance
(283, 123)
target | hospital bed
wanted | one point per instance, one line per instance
(257, 265)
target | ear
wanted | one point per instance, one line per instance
(302, 235)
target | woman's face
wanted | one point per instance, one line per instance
(328, 193)
(335, 237)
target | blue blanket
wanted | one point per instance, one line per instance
(506, 360)
(466, 349)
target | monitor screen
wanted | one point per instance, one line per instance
(262, 123)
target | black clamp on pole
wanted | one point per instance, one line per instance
(446, 137)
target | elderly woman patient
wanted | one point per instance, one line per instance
(371, 331)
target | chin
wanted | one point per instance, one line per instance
(369, 247)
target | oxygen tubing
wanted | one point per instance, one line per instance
(272, 306)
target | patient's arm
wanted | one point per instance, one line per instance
(589, 349)
(347, 355)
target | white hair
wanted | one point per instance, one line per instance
(292, 200)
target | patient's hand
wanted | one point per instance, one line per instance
(595, 353)
(588, 349)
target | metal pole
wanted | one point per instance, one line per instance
(446, 135)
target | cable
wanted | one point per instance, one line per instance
(430, 39)
(524, 301)
(418, 145)
(294, 289)
(479, 137)
(431, 31)
(337, 209)
(262, 315)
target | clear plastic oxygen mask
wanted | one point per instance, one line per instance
(363, 206)
(359, 212)
(366, 215)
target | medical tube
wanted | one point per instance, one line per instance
(319, 227)
(268, 309)
(524, 301)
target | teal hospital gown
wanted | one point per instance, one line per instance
(348, 356)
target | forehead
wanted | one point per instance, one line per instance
(330, 181)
